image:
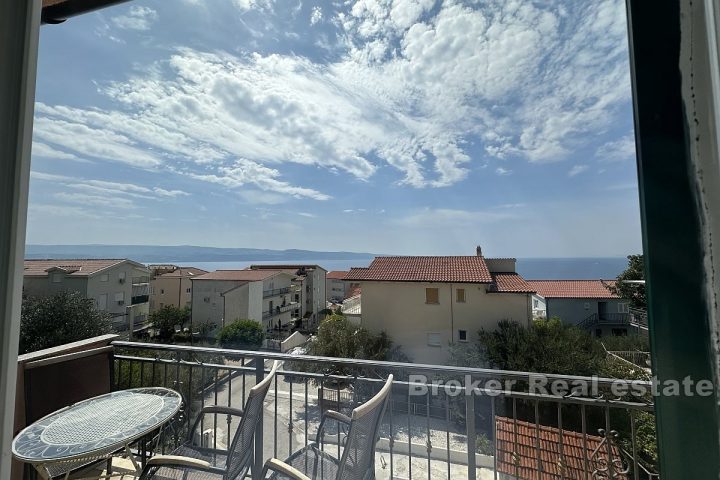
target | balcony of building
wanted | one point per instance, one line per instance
(486, 424)
(276, 292)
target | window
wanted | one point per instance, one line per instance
(619, 332)
(460, 295)
(188, 290)
(598, 332)
(431, 295)
(623, 308)
(120, 297)
(102, 302)
(535, 303)
(434, 339)
(162, 291)
(587, 306)
(462, 335)
(104, 277)
(56, 277)
(162, 305)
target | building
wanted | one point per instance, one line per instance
(227, 295)
(171, 285)
(588, 303)
(427, 303)
(118, 286)
(352, 309)
(336, 287)
(308, 289)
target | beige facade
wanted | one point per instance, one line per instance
(119, 287)
(172, 287)
(224, 296)
(426, 330)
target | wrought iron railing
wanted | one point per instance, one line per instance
(476, 429)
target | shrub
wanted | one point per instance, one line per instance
(167, 318)
(242, 334)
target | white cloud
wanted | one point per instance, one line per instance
(503, 171)
(419, 82)
(451, 218)
(617, 150)
(306, 214)
(137, 18)
(316, 15)
(102, 193)
(44, 150)
(51, 210)
(577, 169)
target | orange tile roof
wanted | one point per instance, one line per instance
(238, 275)
(465, 269)
(577, 451)
(510, 283)
(75, 267)
(573, 288)
(336, 275)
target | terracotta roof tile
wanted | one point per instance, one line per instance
(238, 275)
(466, 269)
(75, 267)
(577, 451)
(573, 288)
(336, 275)
(510, 283)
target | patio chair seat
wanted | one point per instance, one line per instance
(175, 473)
(216, 458)
(312, 462)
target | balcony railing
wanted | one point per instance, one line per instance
(473, 430)
(275, 292)
(140, 280)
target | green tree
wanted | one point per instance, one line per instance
(63, 318)
(338, 337)
(242, 334)
(634, 292)
(546, 346)
(167, 318)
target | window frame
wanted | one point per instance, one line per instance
(457, 295)
(437, 296)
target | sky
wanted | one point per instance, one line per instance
(415, 127)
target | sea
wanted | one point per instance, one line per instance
(583, 268)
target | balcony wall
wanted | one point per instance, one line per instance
(53, 378)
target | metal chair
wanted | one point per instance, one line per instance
(357, 461)
(194, 462)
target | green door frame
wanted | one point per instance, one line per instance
(672, 232)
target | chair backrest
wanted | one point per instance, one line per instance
(240, 453)
(358, 457)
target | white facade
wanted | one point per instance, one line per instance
(220, 301)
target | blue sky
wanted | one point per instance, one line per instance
(393, 126)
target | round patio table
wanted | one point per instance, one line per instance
(94, 429)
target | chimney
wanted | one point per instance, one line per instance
(478, 251)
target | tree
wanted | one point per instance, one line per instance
(242, 334)
(634, 292)
(167, 318)
(63, 318)
(338, 337)
(546, 346)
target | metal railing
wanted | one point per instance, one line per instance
(275, 292)
(635, 357)
(481, 432)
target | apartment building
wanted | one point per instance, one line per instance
(226, 295)
(118, 286)
(308, 289)
(425, 304)
(336, 287)
(171, 285)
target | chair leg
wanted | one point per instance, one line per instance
(108, 466)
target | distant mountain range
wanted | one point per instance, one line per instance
(183, 253)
